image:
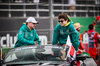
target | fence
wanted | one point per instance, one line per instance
(41, 8)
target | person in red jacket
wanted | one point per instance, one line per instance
(93, 42)
(81, 47)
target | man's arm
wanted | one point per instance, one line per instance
(37, 39)
(74, 37)
(55, 37)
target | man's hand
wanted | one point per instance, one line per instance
(36, 43)
(63, 55)
(83, 50)
(65, 45)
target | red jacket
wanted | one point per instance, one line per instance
(95, 36)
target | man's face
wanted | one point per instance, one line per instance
(62, 22)
(32, 25)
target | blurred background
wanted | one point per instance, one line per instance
(14, 12)
(40, 8)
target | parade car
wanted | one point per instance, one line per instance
(44, 55)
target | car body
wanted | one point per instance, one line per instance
(40, 55)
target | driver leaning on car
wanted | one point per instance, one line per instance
(27, 34)
(64, 29)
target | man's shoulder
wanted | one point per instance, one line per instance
(96, 33)
(71, 24)
(23, 28)
(71, 27)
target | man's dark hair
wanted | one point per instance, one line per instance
(63, 15)
(90, 27)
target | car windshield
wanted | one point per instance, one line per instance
(36, 53)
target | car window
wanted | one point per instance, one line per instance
(36, 54)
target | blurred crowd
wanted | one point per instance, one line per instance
(92, 40)
(16, 1)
